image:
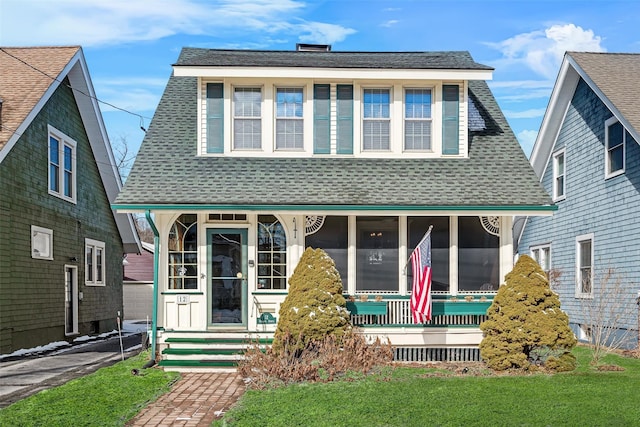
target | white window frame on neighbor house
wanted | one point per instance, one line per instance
(41, 243)
(608, 151)
(367, 144)
(580, 266)
(542, 255)
(291, 117)
(559, 178)
(241, 116)
(94, 263)
(62, 167)
(419, 118)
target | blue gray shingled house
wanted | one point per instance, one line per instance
(588, 158)
(252, 156)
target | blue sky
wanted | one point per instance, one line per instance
(130, 44)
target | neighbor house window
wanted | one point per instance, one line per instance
(614, 145)
(247, 118)
(289, 122)
(584, 265)
(62, 166)
(272, 253)
(183, 252)
(417, 119)
(94, 262)
(542, 255)
(333, 237)
(376, 119)
(377, 254)
(559, 175)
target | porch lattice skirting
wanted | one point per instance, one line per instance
(423, 354)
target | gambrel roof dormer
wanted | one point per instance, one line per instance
(320, 102)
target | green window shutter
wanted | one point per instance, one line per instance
(450, 119)
(344, 126)
(215, 118)
(321, 119)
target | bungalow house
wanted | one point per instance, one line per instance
(61, 244)
(587, 157)
(252, 156)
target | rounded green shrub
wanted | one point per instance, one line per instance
(314, 307)
(525, 325)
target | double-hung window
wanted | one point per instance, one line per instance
(247, 118)
(614, 146)
(62, 166)
(417, 119)
(94, 263)
(584, 265)
(542, 255)
(559, 173)
(376, 123)
(289, 121)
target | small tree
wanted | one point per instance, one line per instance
(314, 307)
(526, 326)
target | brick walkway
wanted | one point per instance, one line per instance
(195, 400)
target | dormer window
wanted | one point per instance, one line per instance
(417, 119)
(289, 121)
(376, 119)
(247, 118)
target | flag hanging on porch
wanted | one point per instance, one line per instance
(421, 292)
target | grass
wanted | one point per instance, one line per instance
(108, 397)
(414, 397)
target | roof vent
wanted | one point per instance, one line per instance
(305, 47)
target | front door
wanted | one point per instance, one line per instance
(227, 273)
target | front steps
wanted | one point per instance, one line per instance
(206, 352)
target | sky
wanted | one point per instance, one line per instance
(129, 45)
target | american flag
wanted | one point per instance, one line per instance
(421, 293)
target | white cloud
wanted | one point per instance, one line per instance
(527, 138)
(389, 23)
(526, 114)
(543, 50)
(100, 23)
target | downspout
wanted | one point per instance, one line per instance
(154, 317)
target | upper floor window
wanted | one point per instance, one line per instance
(247, 118)
(614, 146)
(417, 119)
(94, 263)
(559, 175)
(376, 124)
(542, 255)
(289, 122)
(62, 166)
(584, 265)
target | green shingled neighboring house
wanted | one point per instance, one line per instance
(61, 244)
(252, 156)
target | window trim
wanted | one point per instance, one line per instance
(607, 150)
(63, 142)
(48, 241)
(388, 119)
(429, 119)
(557, 197)
(539, 248)
(94, 245)
(581, 239)
(276, 117)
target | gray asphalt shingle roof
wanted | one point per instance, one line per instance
(168, 171)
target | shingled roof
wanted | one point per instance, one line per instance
(22, 85)
(457, 60)
(616, 75)
(168, 172)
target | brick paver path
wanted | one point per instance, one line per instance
(195, 400)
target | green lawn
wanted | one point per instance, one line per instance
(108, 397)
(586, 397)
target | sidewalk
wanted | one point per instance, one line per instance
(197, 399)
